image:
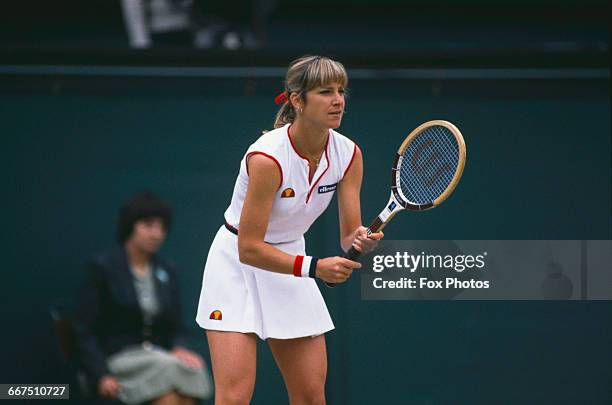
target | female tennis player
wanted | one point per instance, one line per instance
(258, 280)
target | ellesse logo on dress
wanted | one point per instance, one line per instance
(288, 193)
(328, 188)
(216, 315)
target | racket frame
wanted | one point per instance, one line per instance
(397, 201)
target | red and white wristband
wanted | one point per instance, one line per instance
(305, 266)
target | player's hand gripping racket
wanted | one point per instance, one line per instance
(426, 170)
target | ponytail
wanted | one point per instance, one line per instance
(285, 115)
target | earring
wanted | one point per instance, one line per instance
(301, 110)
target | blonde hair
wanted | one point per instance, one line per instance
(305, 74)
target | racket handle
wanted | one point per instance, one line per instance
(352, 254)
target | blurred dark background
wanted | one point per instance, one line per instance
(88, 120)
(414, 33)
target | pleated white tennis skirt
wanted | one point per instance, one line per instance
(241, 298)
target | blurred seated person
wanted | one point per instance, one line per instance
(132, 344)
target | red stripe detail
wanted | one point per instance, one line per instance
(351, 162)
(266, 155)
(324, 171)
(292, 145)
(297, 266)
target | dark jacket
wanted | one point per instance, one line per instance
(108, 317)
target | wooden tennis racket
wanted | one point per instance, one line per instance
(426, 169)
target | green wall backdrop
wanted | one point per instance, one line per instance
(538, 168)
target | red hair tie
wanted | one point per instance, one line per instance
(281, 98)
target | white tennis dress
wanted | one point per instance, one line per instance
(242, 298)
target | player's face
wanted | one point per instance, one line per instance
(149, 234)
(325, 105)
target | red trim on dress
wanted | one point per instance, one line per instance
(246, 162)
(324, 171)
(291, 141)
(306, 159)
(351, 162)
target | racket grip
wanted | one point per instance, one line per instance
(352, 254)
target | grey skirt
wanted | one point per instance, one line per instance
(148, 373)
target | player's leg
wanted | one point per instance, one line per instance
(186, 400)
(303, 364)
(169, 398)
(233, 357)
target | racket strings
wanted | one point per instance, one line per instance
(428, 164)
